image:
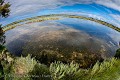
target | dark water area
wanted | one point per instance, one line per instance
(63, 38)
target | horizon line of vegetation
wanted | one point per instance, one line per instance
(55, 17)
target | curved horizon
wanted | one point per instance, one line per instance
(65, 15)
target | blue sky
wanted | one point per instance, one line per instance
(107, 10)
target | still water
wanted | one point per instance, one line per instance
(64, 36)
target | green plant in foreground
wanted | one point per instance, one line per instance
(107, 70)
(40, 72)
(60, 71)
(27, 68)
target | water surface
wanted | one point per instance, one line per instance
(65, 36)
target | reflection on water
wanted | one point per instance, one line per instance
(65, 36)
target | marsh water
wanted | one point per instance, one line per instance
(65, 36)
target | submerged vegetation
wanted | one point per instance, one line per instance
(48, 56)
(28, 68)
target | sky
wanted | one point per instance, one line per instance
(106, 10)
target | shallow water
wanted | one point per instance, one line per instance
(65, 36)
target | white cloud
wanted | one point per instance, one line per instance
(20, 7)
(116, 16)
(114, 4)
(115, 36)
(117, 19)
